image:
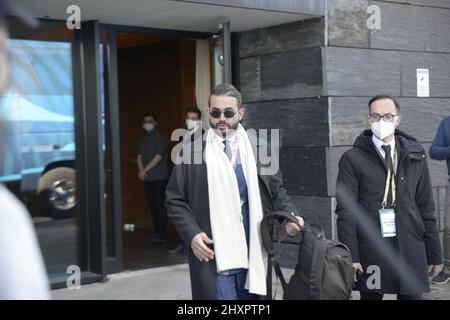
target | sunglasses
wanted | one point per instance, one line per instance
(216, 113)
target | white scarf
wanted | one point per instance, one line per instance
(228, 233)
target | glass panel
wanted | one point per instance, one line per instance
(39, 164)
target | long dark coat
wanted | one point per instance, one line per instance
(187, 205)
(360, 188)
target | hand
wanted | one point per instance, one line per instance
(434, 270)
(293, 229)
(142, 175)
(358, 267)
(199, 247)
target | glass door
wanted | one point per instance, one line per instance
(111, 150)
(40, 163)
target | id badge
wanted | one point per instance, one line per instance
(387, 222)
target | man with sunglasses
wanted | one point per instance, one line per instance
(22, 269)
(385, 208)
(217, 205)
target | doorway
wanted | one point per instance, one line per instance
(155, 74)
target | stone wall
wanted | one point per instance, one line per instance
(313, 79)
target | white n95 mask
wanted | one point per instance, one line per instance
(382, 129)
(191, 124)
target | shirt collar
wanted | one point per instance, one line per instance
(378, 143)
(220, 139)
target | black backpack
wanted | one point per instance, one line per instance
(324, 269)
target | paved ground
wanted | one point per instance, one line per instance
(168, 283)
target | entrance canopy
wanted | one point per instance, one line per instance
(192, 15)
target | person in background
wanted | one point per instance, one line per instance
(193, 123)
(154, 171)
(440, 150)
(22, 269)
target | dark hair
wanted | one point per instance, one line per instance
(226, 90)
(151, 114)
(383, 97)
(194, 109)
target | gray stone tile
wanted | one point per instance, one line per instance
(294, 118)
(437, 37)
(357, 72)
(292, 74)
(334, 154)
(304, 171)
(437, 63)
(347, 26)
(281, 38)
(315, 210)
(402, 27)
(250, 79)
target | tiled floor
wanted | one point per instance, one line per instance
(139, 254)
(170, 283)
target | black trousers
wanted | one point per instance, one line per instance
(155, 193)
(379, 296)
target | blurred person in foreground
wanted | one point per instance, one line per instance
(22, 270)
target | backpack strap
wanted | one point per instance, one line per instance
(266, 235)
(267, 227)
(318, 259)
(279, 273)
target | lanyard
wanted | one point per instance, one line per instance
(234, 151)
(390, 179)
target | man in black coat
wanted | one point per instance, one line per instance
(188, 202)
(396, 248)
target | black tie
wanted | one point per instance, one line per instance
(388, 158)
(227, 149)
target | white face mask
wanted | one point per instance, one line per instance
(148, 126)
(192, 124)
(382, 129)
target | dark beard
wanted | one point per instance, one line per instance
(228, 132)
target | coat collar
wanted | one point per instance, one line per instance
(407, 146)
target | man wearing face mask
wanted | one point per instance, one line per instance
(194, 121)
(385, 208)
(153, 170)
(193, 125)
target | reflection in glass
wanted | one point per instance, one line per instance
(39, 162)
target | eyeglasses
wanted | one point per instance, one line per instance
(388, 117)
(216, 113)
